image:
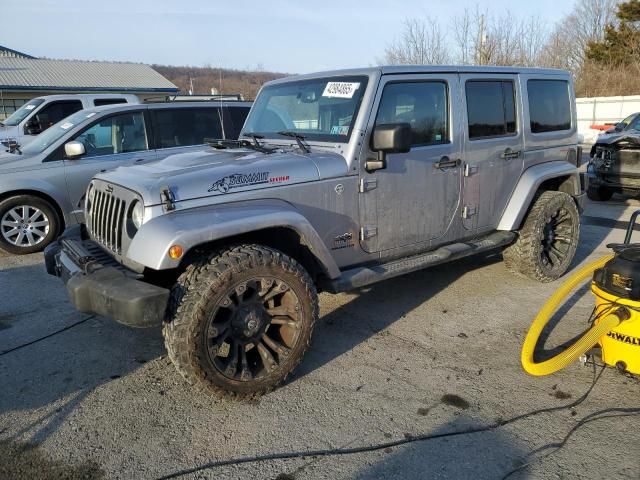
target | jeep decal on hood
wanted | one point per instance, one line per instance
(236, 180)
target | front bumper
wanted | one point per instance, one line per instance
(97, 284)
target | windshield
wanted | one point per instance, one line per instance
(321, 109)
(634, 124)
(52, 134)
(16, 117)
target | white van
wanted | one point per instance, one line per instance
(38, 114)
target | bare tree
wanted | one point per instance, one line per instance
(482, 38)
(568, 41)
(421, 42)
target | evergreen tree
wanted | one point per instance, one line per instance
(621, 43)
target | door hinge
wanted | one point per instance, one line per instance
(368, 232)
(470, 169)
(469, 211)
(366, 185)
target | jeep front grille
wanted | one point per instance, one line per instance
(106, 219)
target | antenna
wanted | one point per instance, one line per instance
(224, 134)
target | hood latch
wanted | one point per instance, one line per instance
(168, 198)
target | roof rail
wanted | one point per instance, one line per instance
(222, 97)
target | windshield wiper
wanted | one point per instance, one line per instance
(255, 137)
(227, 143)
(256, 145)
(299, 139)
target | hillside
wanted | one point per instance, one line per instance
(233, 81)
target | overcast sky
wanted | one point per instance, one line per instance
(279, 35)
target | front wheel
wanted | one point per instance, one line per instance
(241, 320)
(27, 224)
(548, 238)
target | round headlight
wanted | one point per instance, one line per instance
(137, 213)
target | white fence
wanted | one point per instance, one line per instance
(602, 110)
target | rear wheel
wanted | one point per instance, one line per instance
(27, 224)
(241, 320)
(548, 238)
(599, 194)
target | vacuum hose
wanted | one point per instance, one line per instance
(588, 340)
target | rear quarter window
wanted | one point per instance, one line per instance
(98, 102)
(549, 105)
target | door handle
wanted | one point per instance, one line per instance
(138, 160)
(446, 162)
(508, 154)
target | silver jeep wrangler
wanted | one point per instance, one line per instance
(341, 179)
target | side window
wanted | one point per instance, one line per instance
(549, 105)
(234, 118)
(182, 127)
(118, 134)
(98, 102)
(423, 105)
(491, 109)
(54, 112)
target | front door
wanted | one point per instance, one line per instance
(493, 148)
(109, 143)
(415, 198)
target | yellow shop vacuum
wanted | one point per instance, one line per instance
(616, 317)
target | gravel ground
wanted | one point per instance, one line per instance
(432, 352)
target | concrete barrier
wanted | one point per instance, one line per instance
(603, 110)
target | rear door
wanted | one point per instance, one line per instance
(493, 147)
(113, 141)
(179, 130)
(414, 199)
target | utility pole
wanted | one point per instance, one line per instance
(482, 40)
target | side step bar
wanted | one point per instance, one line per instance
(363, 276)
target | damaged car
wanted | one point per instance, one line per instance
(615, 166)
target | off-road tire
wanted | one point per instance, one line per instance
(43, 206)
(203, 287)
(599, 194)
(527, 255)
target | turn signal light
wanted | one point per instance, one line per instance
(175, 251)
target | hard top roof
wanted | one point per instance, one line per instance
(409, 69)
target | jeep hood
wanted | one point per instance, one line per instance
(225, 174)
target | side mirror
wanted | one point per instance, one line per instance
(388, 138)
(392, 138)
(74, 149)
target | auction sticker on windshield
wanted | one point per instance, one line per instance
(29, 107)
(340, 89)
(66, 126)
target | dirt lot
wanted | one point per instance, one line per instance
(432, 352)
